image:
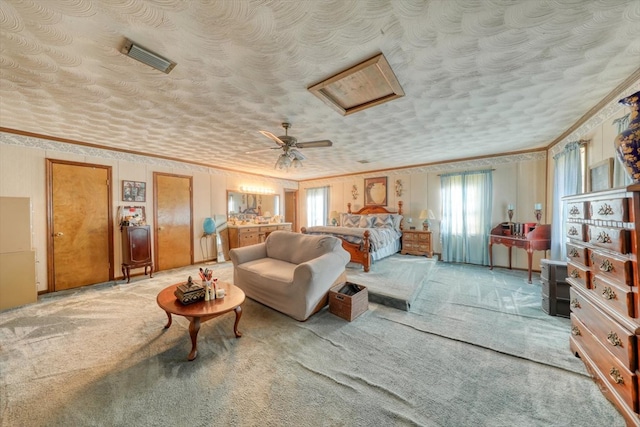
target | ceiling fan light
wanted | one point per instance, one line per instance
(283, 162)
(296, 163)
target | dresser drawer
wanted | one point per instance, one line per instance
(579, 274)
(424, 238)
(248, 230)
(577, 254)
(577, 210)
(614, 268)
(613, 296)
(284, 227)
(613, 239)
(408, 237)
(575, 232)
(249, 238)
(609, 210)
(613, 336)
(621, 380)
(268, 228)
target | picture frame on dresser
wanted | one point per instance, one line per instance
(601, 175)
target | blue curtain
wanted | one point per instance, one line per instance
(467, 202)
(567, 181)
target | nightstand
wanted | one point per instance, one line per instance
(417, 242)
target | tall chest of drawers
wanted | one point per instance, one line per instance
(602, 267)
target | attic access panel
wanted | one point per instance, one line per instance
(362, 86)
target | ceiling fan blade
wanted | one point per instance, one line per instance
(272, 136)
(296, 154)
(262, 150)
(312, 144)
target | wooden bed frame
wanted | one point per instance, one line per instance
(363, 256)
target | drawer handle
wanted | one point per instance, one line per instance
(575, 303)
(608, 293)
(613, 339)
(603, 237)
(605, 209)
(575, 331)
(572, 231)
(606, 265)
(615, 375)
(573, 253)
(575, 274)
(574, 211)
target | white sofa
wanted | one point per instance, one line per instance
(290, 272)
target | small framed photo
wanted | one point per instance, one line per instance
(134, 191)
(601, 175)
(131, 215)
(375, 191)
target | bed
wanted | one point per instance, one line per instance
(369, 234)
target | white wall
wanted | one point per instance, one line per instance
(518, 179)
(22, 174)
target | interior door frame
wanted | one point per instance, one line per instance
(294, 194)
(155, 215)
(50, 225)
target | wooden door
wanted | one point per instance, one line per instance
(290, 208)
(174, 221)
(80, 228)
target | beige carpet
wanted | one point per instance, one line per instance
(475, 349)
(394, 281)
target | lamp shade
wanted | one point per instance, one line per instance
(424, 214)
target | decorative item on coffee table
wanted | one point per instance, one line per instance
(189, 292)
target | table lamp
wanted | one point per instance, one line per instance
(334, 216)
(537, 210)
(426, 215)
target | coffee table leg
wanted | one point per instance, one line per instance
(238, 311)
(194, 327)
(170, 320)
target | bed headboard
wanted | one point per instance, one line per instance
(374, 209)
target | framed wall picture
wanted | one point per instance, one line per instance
(601, 175)
(375, 191)
(134, 191)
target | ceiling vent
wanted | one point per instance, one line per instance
(145, 56)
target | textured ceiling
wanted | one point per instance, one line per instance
(480, 77)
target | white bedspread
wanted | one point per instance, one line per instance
(378, 237)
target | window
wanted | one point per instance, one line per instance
(467, 200)
(317, 206)
(569, 178)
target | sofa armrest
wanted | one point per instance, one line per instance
(248, 253)
(319, 272)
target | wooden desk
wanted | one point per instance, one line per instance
(538, 239)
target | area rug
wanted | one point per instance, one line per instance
(394, 281)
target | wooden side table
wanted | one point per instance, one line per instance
(417, 242)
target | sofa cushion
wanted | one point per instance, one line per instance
(297, 248)
(268, 272)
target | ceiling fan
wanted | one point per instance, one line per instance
(289, 145)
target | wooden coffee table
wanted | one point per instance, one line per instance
(202, 311)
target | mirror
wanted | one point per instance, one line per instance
(247, 205)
